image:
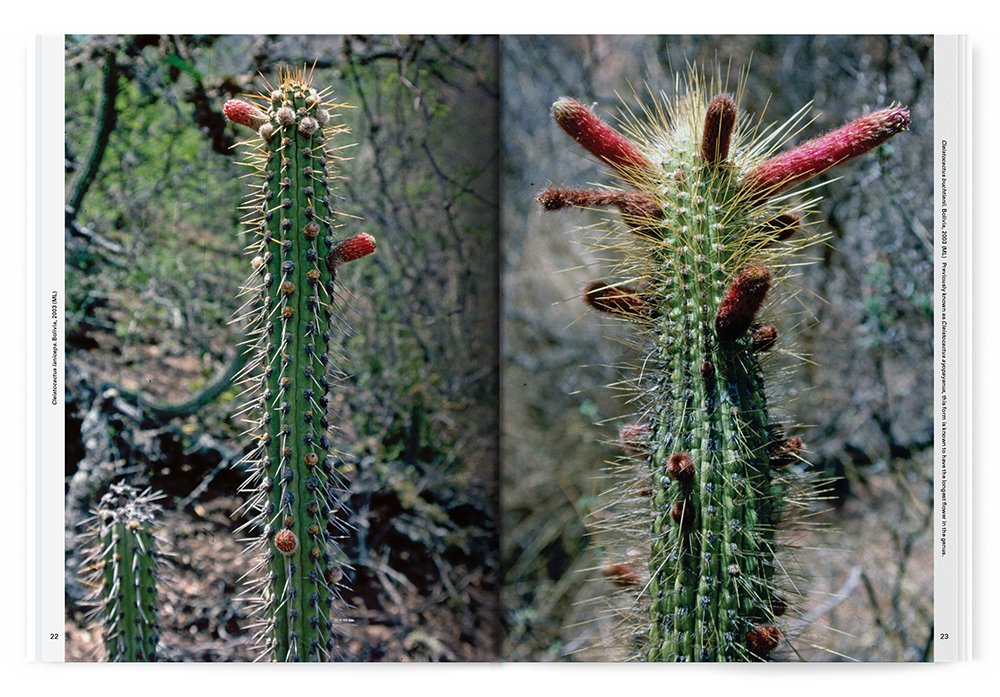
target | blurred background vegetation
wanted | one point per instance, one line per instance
(862, 315)
(153, 266)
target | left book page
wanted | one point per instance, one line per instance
(270, 265)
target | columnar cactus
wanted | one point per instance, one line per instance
(296, 247)
(122, 570)
(710, 233)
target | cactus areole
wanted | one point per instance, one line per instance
(710, 229)
(295, 490)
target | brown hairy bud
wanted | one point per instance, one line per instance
(786, 452)
(616, 300)
(763, 639)
(720, 119)
(742, 301)
(783, 226)
(621, 575)
(764, 338)
(680, 467)
(683, 514)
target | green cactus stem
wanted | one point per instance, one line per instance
(708, 238)
(122, 569)
(295, 488)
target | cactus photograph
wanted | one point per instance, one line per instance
(282, 382)
(717, 440)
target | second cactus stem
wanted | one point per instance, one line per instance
(123, 570)
(709, 234)
(296, 493)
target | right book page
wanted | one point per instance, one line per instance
(719, 327)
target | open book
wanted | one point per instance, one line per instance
(501, 348)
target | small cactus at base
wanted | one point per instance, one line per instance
(707, 241)
(122, 571)
(296, 493)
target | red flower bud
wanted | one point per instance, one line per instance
(286, 541)
(244, 114)
(351, 249)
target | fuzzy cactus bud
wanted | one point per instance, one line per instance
(245, 114)
(683, 514)
(782, 227)
(308, 126)
(616, 300)
(621, 575)
(600, 139)
(285, 116)
(786, 452)
(763, 639)
(742, 301)
(352, 248)
(720, 119)
(764, 338)
(680, 467)
(820, 154)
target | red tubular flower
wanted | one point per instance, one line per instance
(820, 154)
(350, 249)
(599, 138)
(245, 114)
